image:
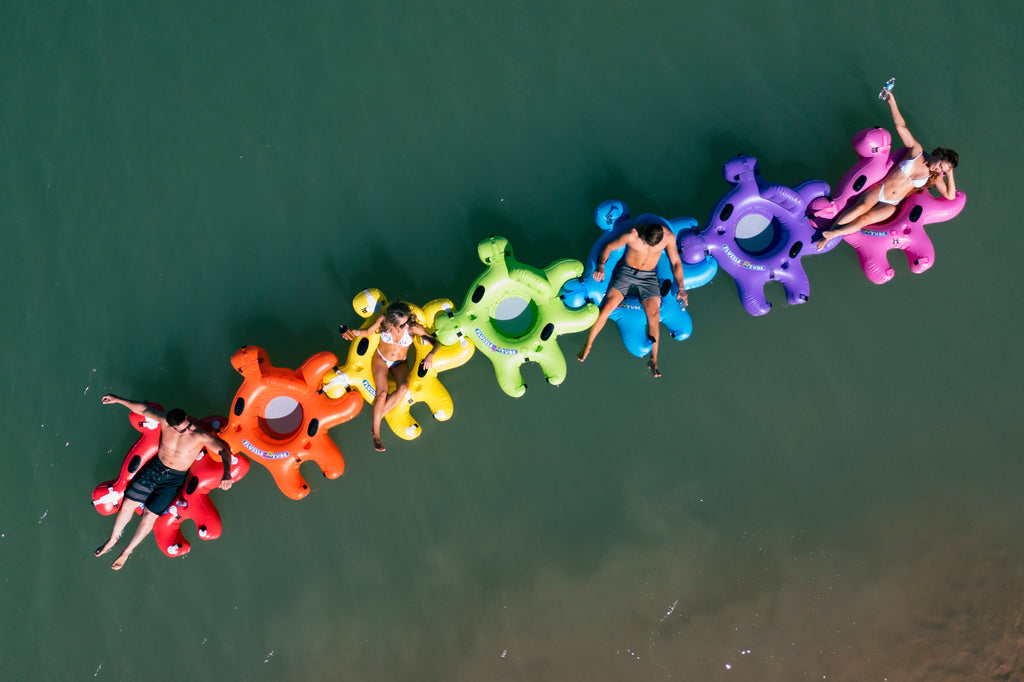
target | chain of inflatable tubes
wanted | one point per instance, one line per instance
(561, 298)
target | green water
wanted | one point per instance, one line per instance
(828, 492)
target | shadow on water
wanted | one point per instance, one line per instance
(614, 185)
(172, 383)
(287, 345)
(379, 270)
(530, 245)
(790, 170)
(831, 161)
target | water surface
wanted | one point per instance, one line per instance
(828, 492)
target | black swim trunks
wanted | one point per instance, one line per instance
(156, 486)
(626, 278)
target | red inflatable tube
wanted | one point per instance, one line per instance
(193, 502)
(107, 496)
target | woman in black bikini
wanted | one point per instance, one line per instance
(916, 173)
(397, 328)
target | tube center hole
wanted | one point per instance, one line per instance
(514, 316)
(283, 416)
(756, 233)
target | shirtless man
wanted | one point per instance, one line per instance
(637, 270)
(158, 481)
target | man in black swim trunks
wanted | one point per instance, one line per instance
(155, 485)
(637, 270)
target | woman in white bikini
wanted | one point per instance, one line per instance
(917, 172)
(396, 327)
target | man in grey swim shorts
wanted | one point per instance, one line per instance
(636, 271)
(155, 485)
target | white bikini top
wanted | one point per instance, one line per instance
(905, 168)
(406, 339)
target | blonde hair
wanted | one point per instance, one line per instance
(394, 313)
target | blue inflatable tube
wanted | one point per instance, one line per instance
(614, 219)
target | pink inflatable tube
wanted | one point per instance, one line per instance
(904, 231)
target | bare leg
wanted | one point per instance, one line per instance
(145, 526)
(612, 299)
(380, 385)
(400, 371)
(879, 213)
(865, 202)
(849, 221)
(124, 515)
(652, 306)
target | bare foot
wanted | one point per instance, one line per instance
(654, 368)
(377, 445)
(108, 545)
(120, 560)
(582, 355)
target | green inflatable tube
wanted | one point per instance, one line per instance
(506, 278)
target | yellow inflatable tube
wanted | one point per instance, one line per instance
(424, 385)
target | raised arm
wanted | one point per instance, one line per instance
(901, 127)
(946, 185)
(133, 405)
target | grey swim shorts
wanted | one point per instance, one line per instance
(643, 282)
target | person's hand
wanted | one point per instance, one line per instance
(226, 484)
(349, 334)
(682, 297)
(428, 361)
(108, 399)
(599, 272)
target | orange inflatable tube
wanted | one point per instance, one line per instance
(255, 427)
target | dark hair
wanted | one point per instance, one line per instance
(942, 154)
(652, 233)
(175, 417)
(394, 312)
(947, 155)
